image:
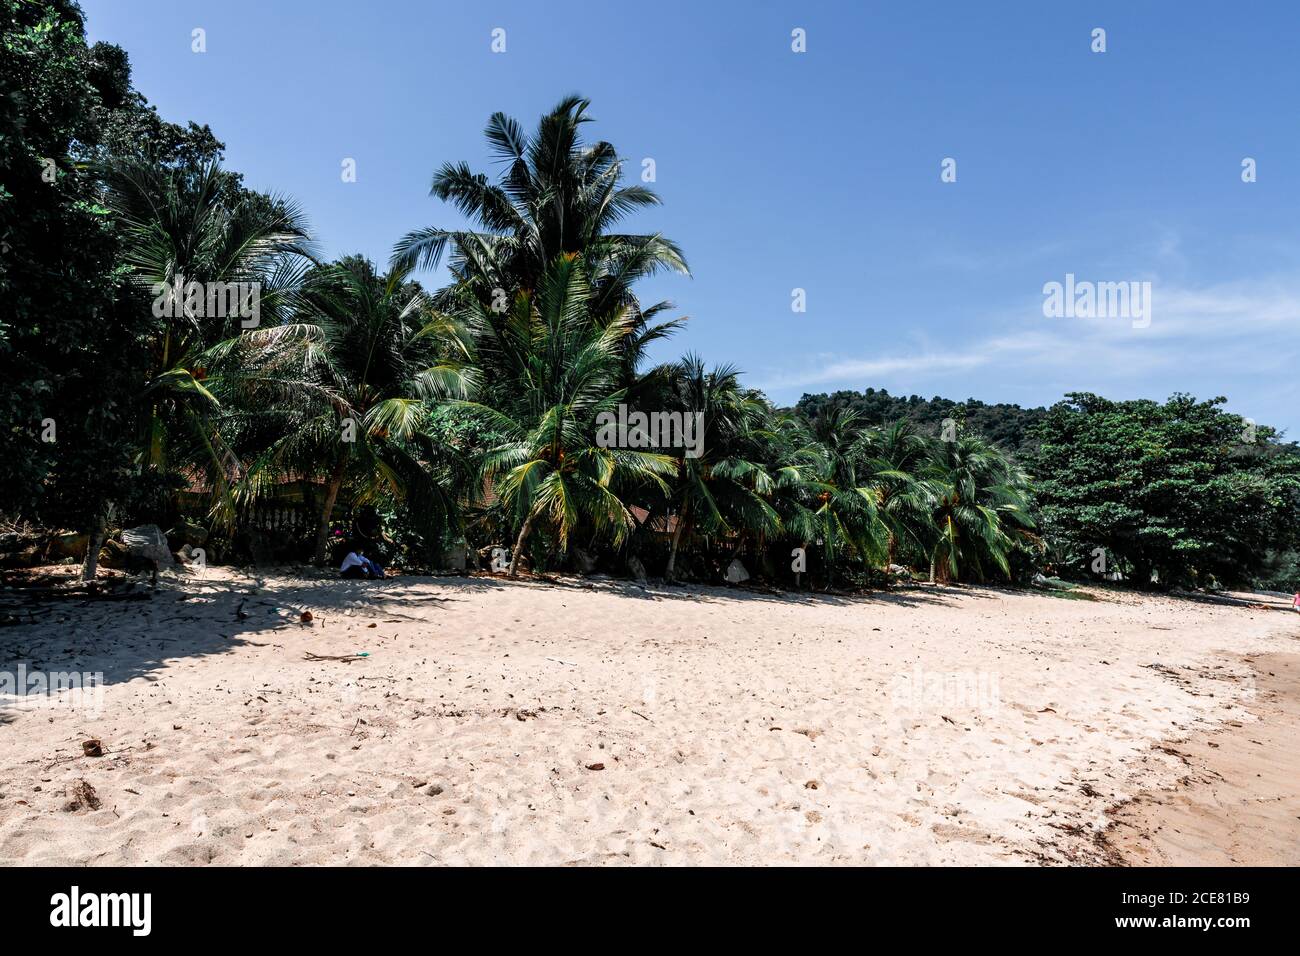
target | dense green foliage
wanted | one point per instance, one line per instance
(1182, 489)
(479, 413)
(1009, 426)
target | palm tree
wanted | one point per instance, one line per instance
(554, 197)
(197, 225)
(725, 487)
(981, 500)
(892, 459)
(546, 374)
(367, 358)
(847, 510)
(182, 225)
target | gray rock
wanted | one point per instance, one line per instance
(586, 563)
(455, 558)
(635, 566)
(148, 542)
(736, 573)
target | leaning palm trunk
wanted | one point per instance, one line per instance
(327, 509)
(524, 532)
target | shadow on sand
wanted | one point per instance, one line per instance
(193, 617)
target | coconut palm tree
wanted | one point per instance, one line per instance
(847, 509)
(981, 501)
(725, 486)
(366, 357)
(891, 459)
(554, 197)
(197, 225)
(547, 372)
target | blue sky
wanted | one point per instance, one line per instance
(821, 170)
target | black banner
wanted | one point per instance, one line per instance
(332, 906)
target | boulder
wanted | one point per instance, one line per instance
(28, 557)
(188, 532)
(148, 542)
(454, 558)
(12, 541)
(114, 554)
(736, 573)
(637, 569)
(583, 561)
(69, 544)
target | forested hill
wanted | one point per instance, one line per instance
(1008, 425)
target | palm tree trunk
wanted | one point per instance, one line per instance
(931, 567)
(90, 565)
(677, 537)
(524, 532)
(327, 509)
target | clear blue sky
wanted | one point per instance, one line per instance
(821, 170)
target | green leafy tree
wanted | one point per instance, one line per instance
(71, 330)
(1181, 489)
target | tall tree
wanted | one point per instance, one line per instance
(1181, 489)
(554, 197)
(981, 503)
(358, 371)
(547, 373)
(723, 486)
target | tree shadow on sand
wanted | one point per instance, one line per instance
(189, 617)
(194, 617)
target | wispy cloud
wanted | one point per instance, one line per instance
(1209, 340)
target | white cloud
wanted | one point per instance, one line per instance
(1242, 338)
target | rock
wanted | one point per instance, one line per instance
(15, 541)
(148, 542)
(92, 748)
(69, 544)
(584, 561)
(114, 554)
(455, 558)
(188, 532)
(28, 557)
(635, 566)
(736, 573)
(595, 766)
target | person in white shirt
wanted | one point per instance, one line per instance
(357, 565)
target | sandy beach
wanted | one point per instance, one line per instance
(595, 722)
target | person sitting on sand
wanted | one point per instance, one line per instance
(357, 565)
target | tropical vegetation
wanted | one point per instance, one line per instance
(469, 416)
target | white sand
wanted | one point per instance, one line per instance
(733, 727)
